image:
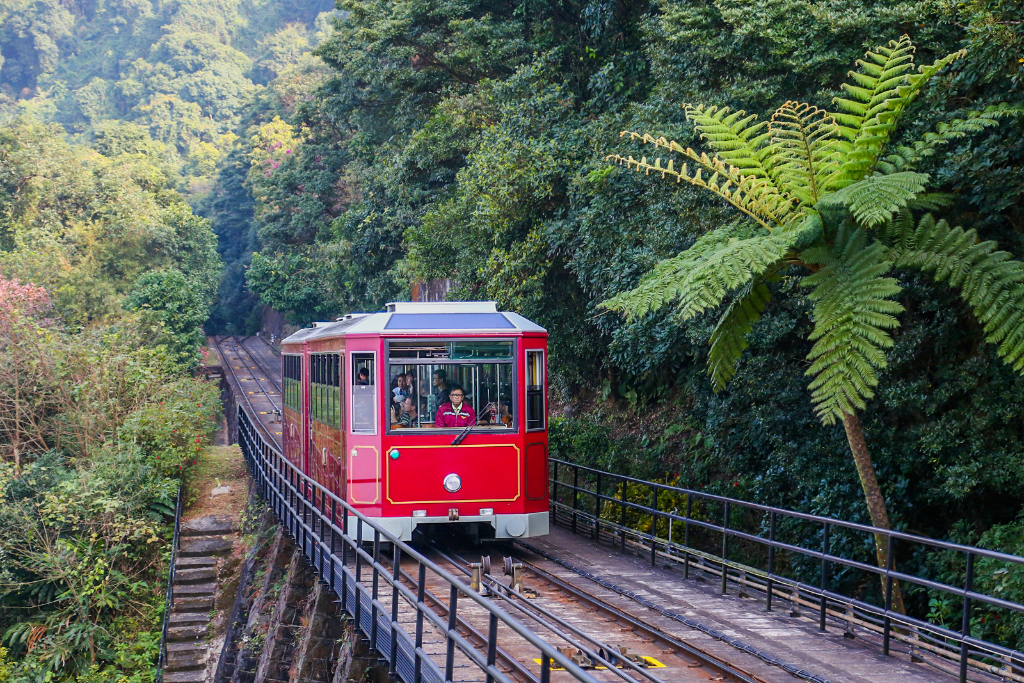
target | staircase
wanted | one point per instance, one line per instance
(203, 541)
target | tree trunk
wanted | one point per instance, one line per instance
(876, 503)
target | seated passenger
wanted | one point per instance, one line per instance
(408, 416)
(456, 413)
(364, 377)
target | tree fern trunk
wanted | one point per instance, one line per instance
(874, 498)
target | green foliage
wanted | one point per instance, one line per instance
(98, 429)
(819, 172)
(175, 309)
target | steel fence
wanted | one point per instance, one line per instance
(333, 536)
(717, 521)
(169, 595)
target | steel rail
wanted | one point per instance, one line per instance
(505, 592)
(317, 534)
(966, 643)
(442, 609)
(259, 366)
(245, 396)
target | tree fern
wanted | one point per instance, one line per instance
(703, 276)
(907, 157)
(853, 308)
(752, 194)
(805, 143)
(990, 281)
(877, 198)
(883, 87)
(729, 339)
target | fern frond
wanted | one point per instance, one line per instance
(738, 139)
(877, 198)
(754, 196)
(805, 143)
(702, 277)
(853, 308)
(990, 281)
(729, 339)
(908, 157)
(885, 87)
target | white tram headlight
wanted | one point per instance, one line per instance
(452, 483)
(419, 513)
(486, 512)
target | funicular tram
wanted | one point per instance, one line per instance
(425, 414)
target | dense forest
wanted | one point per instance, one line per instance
(166, 165)
(120, 123)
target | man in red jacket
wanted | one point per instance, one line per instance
(456, 413)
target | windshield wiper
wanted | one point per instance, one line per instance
(462, 435)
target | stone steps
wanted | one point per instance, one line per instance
(178, 634)
(184, 676)
(195, 589)
(188, 618)
(195, 562)
(192, 603)
(190, 576)
(212, 525)
(202, 547)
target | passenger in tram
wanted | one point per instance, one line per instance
(456, 413)
(439, 396)
(364, 377)
(403, 390)
(408, 414)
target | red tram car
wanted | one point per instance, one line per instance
(361, 398)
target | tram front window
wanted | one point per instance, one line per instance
(422, 376)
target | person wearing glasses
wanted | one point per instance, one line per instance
(455, 413)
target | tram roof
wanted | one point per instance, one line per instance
(405, 317)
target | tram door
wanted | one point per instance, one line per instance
(364, 458)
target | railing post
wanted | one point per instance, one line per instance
(554, 488)
(725, 545)
(597, 509)
(344, 557)
(359, 573)
(824, 577)
(449, 661)
(887, 621)
(396, 563)
(771, 562)
(374, 590)
(654, 526)
(492, 644)
(575, 494)
(965, 622)
(421, 586)
(545, 668)
(622, 514)
(686, 537)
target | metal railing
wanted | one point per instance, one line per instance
(169, 596)
(716, 523)
(331, 535)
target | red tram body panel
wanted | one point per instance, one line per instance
(362, 399)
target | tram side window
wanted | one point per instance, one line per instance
(325, 389)
(364, 393)
(293, 382)
(534, 390)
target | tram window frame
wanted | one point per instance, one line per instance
(361, 359)
(535, 392)
(432, 362)
(325, 389)
(292, 389)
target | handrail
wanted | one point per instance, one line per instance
(169, 596)
(959, 645)
(311, 514)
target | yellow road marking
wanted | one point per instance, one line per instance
(652, 663)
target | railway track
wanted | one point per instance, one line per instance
(258, 386)
(610, 643)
